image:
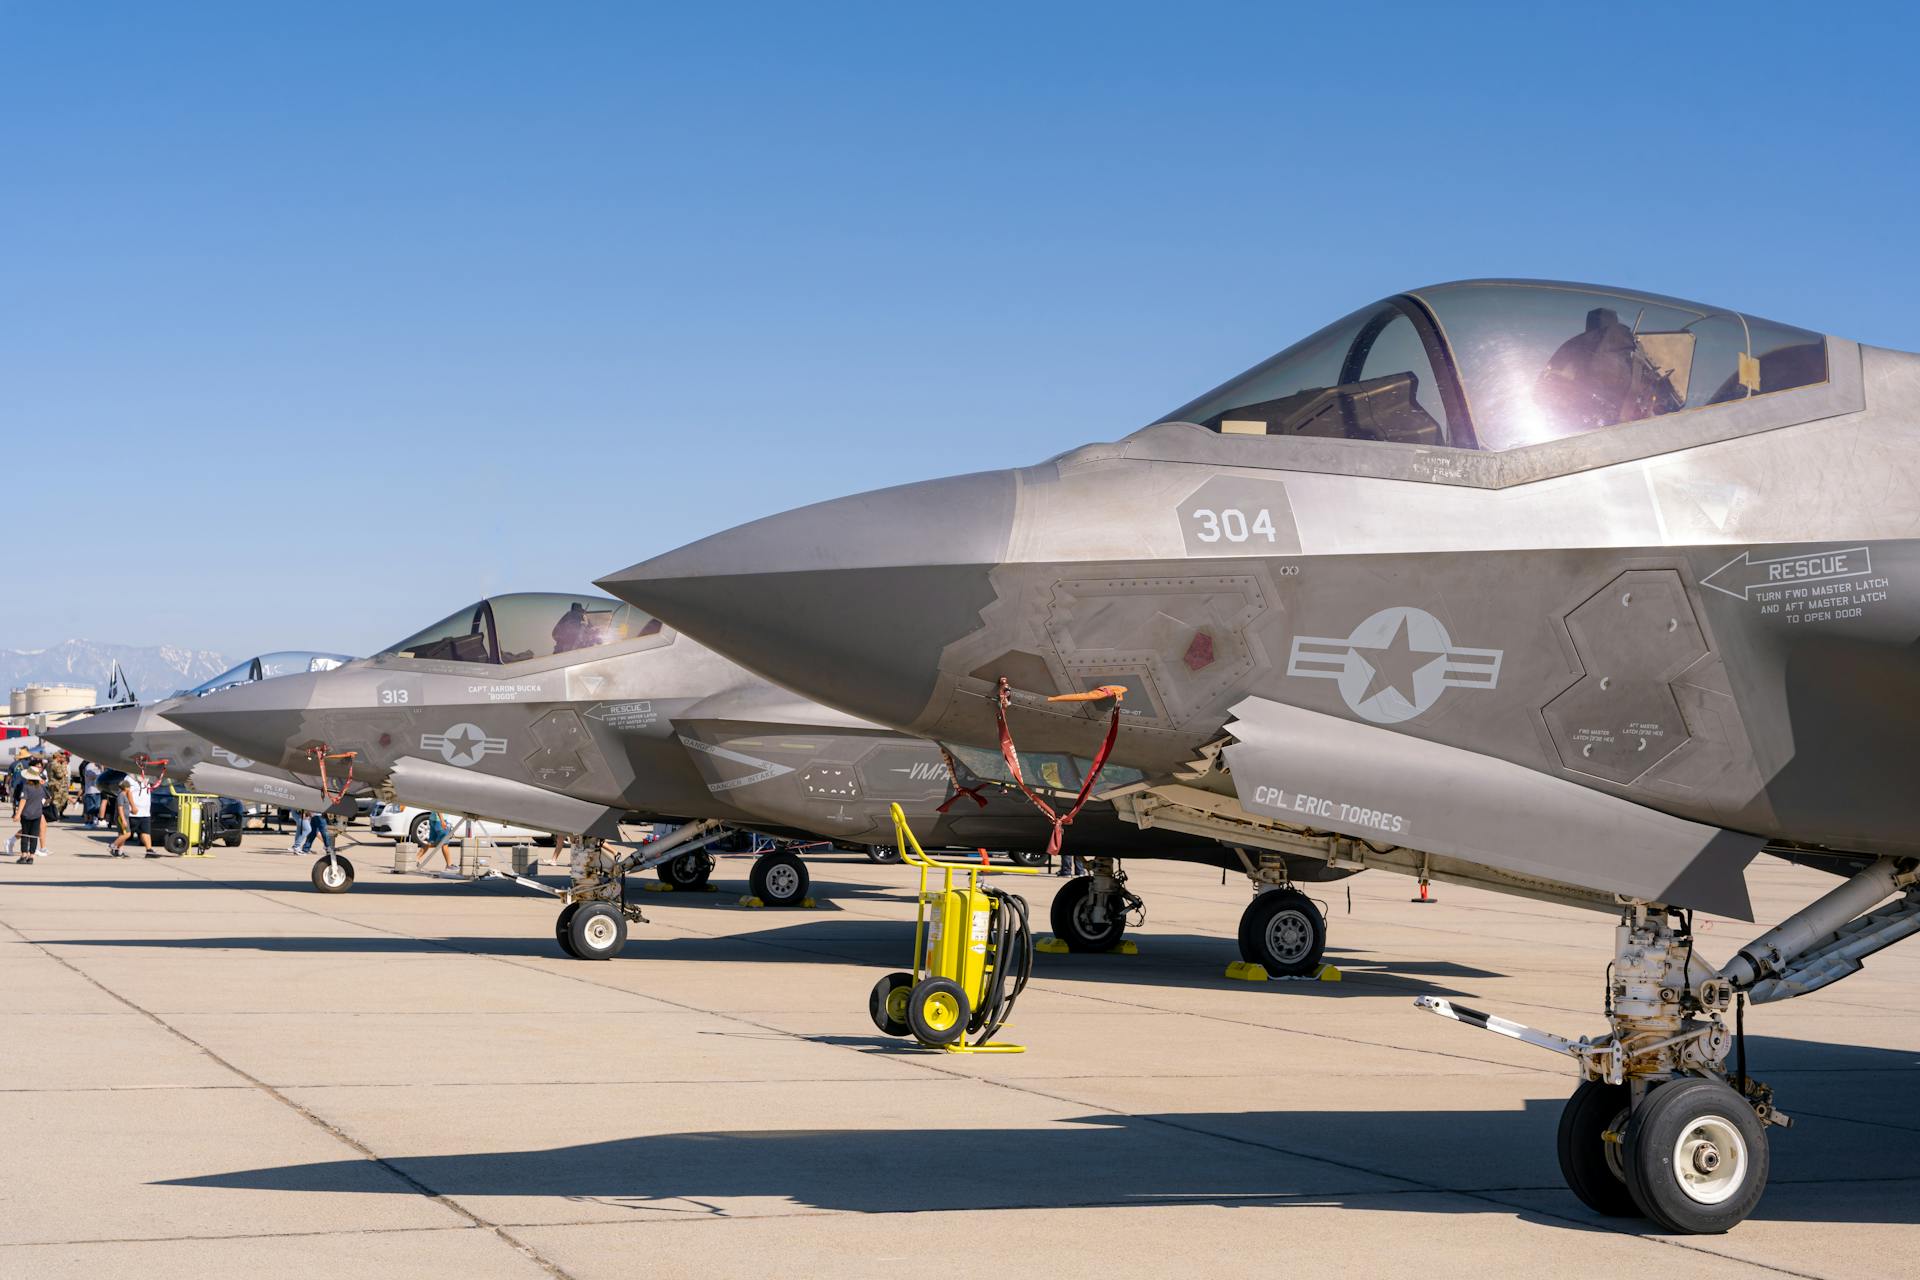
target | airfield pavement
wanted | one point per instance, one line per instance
(208, 1069)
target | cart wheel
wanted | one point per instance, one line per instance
(937, 1011)
(888, 1003)
(687, 872)
(232, 841)
(560, 926)
(176, 842)
(597, 931)
(333, 874)
(779, 879)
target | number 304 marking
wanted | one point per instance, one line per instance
(1233, 525)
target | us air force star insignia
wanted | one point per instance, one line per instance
(1395, 665)
(463, 745)
(238, 762)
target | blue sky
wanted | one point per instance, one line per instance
(318, 321)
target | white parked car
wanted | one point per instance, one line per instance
(404, 822)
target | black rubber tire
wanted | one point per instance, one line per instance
(560, 924)
(1282, 930)
(884, 854)
(1595, 1169)
(176, 842)
(1657, 1127)
(1027, 858)
(332, 874)
(1068, 916)
(779, 879)
(417, 830)
(929, 1006)
(597, 931)
(688, 872)
(232, 841)
(887, 1005)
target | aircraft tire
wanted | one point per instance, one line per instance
(937, 1011)
(597, 931)
(688, 872)
(1027, 858)
(1282, 930)
(887, 1006)
(1069, 916)
(779, 879)
(1696, 1157)
(1594, 1168)
(232, 842)
(560, 924)
(332, 874)
(882, 853)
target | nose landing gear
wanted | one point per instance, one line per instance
(1089, 912)
(1657, 1126)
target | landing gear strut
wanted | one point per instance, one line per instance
(1658, 1125)
(1090, 912)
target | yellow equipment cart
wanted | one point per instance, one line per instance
(972, 956)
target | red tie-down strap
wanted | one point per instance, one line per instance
(1012, 757)
(953, 771)
(320, 756)
(161, 764)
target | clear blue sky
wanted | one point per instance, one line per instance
(318, 321)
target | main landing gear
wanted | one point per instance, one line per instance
(1281, 930)
(1090, 912)
(1659, 1126)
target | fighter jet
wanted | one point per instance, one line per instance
(1566, 591)
(144, 740)
(567, 712)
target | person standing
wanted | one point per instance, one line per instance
(30, 811)
(59, 785)
(438, 837)
(302, 829)
(90, 795)
(136, 816)
(317, 826)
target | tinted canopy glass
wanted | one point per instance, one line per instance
(267, 666)
(517, 628)
(1502, 364)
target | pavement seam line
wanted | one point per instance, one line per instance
(926, 1065)
(311, 1117)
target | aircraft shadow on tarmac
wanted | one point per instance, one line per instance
(1849, 1160)
(1166, 959)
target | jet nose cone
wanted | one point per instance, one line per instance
(261, 721)
(849, 602)
(105, 738)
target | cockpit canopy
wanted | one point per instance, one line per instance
(526, 625)
(268, 665)
(1500, 364)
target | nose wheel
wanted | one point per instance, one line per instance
(1696, 1157)
(333, 874)
(1086, 919)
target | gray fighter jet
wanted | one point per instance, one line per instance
(567, 712)
(145, 740)
(1571, 592)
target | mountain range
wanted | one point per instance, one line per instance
(155, 671)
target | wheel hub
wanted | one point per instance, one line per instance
(1710, 1160)
(1289, 936)
(600, 931)
(782, 881)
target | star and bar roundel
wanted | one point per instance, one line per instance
(1395, 664)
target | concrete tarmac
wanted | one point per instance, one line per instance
(209, 1069)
